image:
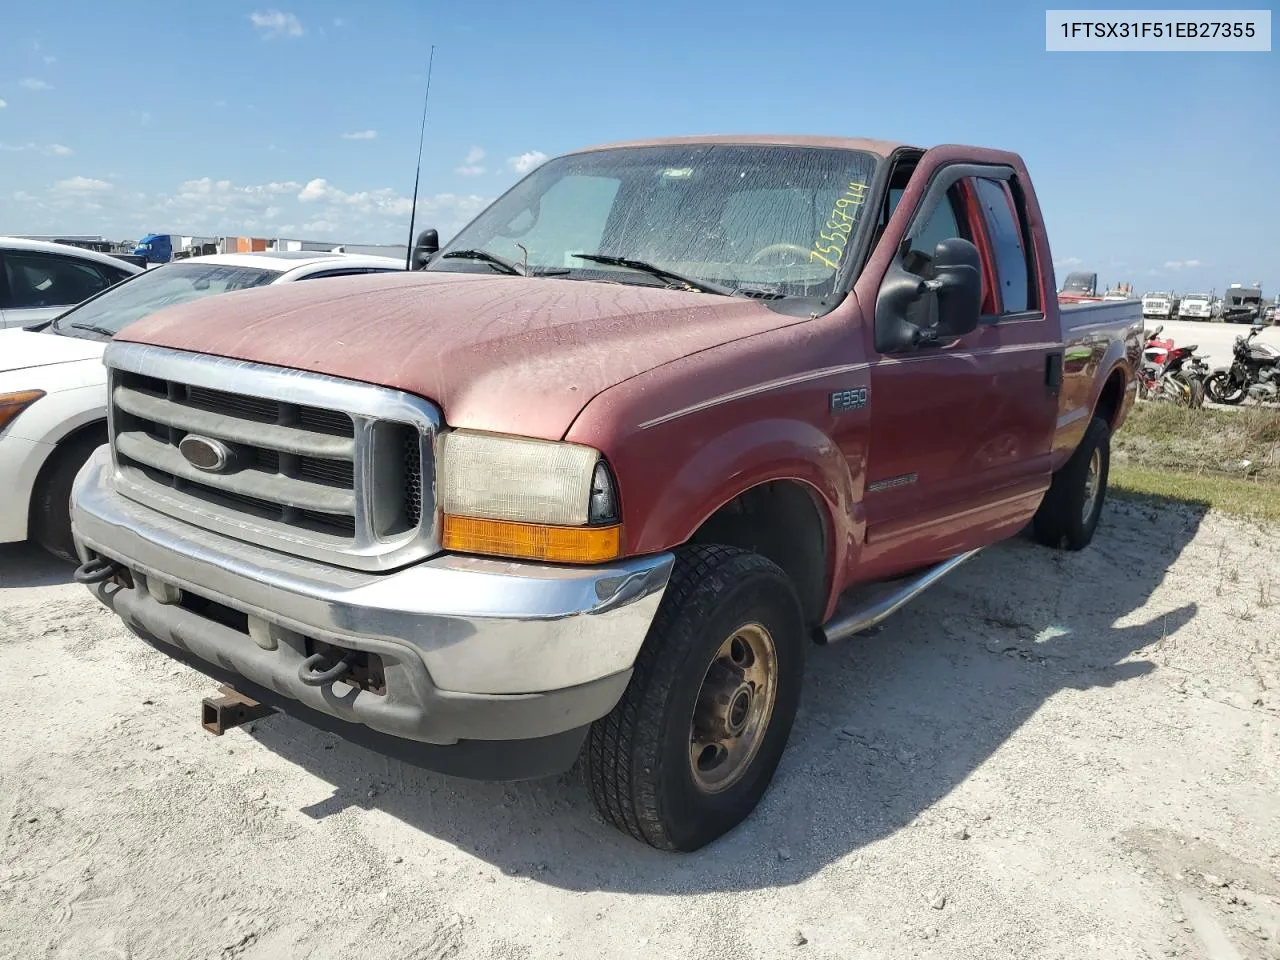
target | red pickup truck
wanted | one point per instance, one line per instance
(587, 482)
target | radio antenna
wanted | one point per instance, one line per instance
(408, 258)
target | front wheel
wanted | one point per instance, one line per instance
(1069, 512)
(690, 748)
(1220, 389)
(50, 518)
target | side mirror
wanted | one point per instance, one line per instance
(425, 247)
(941, 302)
(957, 269)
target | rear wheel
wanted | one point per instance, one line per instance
(692, 745)
(1068, 515)
(50, 518)
(1196, 386)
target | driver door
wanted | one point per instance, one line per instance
(958, 429)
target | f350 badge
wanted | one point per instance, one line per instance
(842, 401)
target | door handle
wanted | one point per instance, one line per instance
(1053, 372)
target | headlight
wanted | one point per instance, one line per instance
(12, 404)
(533, 499)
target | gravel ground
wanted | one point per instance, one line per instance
(1051, 756)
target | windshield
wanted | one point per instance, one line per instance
(115, 308)
(759, 218)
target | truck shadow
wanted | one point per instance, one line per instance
(27, 565)
(891, 723)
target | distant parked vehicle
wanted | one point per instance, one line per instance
(1158, 306)
(1171, 373)
(53, 386)
(1195, 306)
(1121, 291)
(1079, 287)
(1254, 372)
(39, 279)
(1241, 304)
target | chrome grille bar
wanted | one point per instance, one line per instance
(325, 468)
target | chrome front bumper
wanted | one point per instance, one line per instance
(472, 648)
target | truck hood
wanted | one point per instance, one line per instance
(509, 354)
(23, 349)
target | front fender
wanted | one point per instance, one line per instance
(737, 460)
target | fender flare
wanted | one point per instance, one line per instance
(749, 455)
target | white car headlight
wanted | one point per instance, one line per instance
(528, 481)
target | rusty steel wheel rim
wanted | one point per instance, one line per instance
(734, 707)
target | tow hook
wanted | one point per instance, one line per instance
(220, 714)
(308, 674)
(97, 570)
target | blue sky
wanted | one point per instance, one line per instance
(302, 119)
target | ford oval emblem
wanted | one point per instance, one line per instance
(204, 453)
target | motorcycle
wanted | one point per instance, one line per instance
(1254, 372)
(1171, 373)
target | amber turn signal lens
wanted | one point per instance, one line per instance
(12, 404)
(532, 541)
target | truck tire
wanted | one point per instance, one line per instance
(1069, 512)
(691, 747)
(50, 518)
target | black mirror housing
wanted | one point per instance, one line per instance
(425, 247)
(957, 269)
(942, 302)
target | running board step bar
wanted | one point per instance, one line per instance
(870, 612)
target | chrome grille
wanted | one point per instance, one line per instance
(320, 467)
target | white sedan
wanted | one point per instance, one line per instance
(53, 386)
(39, 279)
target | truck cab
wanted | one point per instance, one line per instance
(589, 481)
(155, 247)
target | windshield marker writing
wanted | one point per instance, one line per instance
(844, 214)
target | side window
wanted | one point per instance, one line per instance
(46, 280)
(942, 224)
(113, 275)
(1006, 235)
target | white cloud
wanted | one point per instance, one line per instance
(1068, 262)
(274, 23)
(49, 149)
(527, 161)
(50, 59)
(1181, 264)
(3, 104)
(211, 206)
(361, 135)
(144, 118)
(339, 22)
(32, 83)
(82, 185)
(471, 165)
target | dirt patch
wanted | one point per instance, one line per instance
(1052, 755)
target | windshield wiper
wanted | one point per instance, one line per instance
(103, 331)
(504, 265)
(662, 273)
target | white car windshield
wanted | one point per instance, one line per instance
(114, 309)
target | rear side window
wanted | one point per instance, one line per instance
(1006, 244)
(47, 280)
